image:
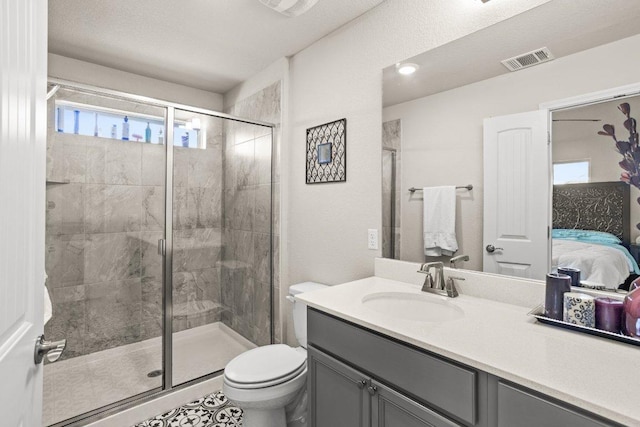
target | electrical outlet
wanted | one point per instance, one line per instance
(372, 238)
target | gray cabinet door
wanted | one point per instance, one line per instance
(517, 407)
(392, 409)
(338, 395)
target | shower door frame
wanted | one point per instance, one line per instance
(167, 251)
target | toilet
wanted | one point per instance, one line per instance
(269, 383)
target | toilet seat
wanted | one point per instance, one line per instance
(265, 366)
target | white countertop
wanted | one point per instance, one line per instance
(596, 374)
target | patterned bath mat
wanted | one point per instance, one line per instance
(213, 410)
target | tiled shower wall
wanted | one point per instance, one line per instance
(246, 283)
(105, 214)
(391, 138)
(197, 234)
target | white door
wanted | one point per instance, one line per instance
(516, 195)
(23, 73)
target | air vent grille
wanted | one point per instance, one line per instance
(528, 59)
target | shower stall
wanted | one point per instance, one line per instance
(391, 186)
(158, 246)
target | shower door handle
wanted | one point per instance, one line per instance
(52, 349)
(162, 247)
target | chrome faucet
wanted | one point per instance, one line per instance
(452, 261)
(437, 280)
(435, 283)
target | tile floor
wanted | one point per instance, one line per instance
(81, 384)
(213, 410)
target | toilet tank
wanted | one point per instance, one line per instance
(300, 309)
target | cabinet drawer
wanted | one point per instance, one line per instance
(517, 407)
(429, 379)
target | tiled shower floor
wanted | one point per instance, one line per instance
(81, 384)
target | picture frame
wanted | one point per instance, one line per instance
(327, 153)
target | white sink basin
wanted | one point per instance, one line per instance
(412, 306)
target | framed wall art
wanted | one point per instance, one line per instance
(327, 152)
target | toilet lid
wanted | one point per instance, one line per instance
(265, 364)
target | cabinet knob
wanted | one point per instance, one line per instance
(361, 384)
(372, 389)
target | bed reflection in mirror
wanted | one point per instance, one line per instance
(594, 211)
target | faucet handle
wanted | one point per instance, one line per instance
(428, 282)
(450, 287)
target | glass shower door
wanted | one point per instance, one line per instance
(106, 163)
(221, 260)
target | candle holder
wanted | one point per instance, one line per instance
(574, 273)
(557, 285)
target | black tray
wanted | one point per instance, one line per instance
(538, 313)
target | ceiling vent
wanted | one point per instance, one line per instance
(528, 59)
(290, 7)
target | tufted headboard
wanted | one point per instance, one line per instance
(600, 206)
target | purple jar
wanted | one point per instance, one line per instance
(557, 285)
(631, 320)
(609, 314)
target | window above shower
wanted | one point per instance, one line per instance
(103, 122)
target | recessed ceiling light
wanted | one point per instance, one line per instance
(407, 68)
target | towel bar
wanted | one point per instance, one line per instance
(468, 187)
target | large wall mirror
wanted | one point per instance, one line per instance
(433, 131)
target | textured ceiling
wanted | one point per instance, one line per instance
(206, 44)
(565, 27)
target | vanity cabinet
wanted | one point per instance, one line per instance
(402, 376)
(344, 397)
(358, 377)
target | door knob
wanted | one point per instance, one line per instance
(491, 249)
(52, 349)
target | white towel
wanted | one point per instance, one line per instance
(440, 221)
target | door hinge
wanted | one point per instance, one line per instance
(548, 137)
(162, 247)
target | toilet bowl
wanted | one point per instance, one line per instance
(269, 381)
